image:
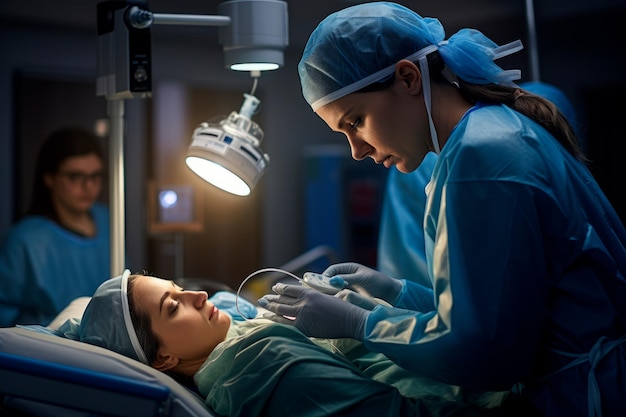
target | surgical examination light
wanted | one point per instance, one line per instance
(253, 35)
(226, 152)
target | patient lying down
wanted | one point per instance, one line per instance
(255, 367)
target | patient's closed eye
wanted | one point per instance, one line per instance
(173, 307)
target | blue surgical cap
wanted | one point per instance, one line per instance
(106, 321)
(361, 44)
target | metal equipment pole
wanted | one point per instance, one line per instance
(116, 191)
(532, 40)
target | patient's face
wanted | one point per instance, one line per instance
(188, 326)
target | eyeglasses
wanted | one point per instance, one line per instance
(81, 178)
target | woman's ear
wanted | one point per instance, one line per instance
(409, 74)
(164, 361)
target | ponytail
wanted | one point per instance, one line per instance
(535, 107)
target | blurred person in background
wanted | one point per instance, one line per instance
(60, 249)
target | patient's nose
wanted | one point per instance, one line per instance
(198, 298)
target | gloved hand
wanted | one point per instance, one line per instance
(360, 300)
(315, 314)
(364, 280)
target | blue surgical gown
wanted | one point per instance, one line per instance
(401, 252)
(43, 267)
(527, 261)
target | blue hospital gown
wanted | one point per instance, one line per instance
(401, 252)
(43, 267)
(527, 261)
(269, 369)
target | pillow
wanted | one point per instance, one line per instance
(74, 310)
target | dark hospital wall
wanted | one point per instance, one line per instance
(607, 147)
(578, 54)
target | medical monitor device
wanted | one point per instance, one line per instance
(319, 282)
(174, 208)
(124, 59)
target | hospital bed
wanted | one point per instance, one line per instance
(47, 375)
(42, 374)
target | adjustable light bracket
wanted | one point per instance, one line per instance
(124, 70)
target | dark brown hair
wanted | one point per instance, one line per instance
(60, 145)
(535, 107)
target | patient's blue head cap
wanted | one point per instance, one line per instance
(106, 321)
(361, 44)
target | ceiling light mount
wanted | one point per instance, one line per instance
(257, 35)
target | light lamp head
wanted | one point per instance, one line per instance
(227, 153)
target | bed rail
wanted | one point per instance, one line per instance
(80, 389)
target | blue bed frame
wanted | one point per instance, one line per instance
(46, 375)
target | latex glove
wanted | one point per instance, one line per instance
(315, 314)
(360, 300)
(364, 280)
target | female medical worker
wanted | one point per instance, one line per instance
(525, 254)
(401, 252)
(60, 250)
